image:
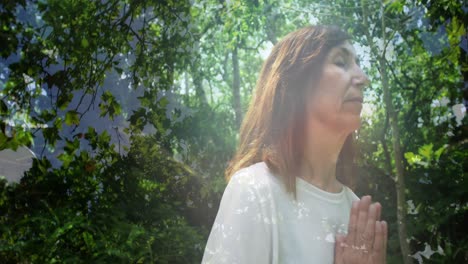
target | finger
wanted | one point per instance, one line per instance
(379, 210)
(378, 240)
(362, 219)
(385, 238)
(368, 235)
(352, 226)
(339, 248)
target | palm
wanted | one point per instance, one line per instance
(366, 240)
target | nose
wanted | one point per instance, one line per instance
(360, 79)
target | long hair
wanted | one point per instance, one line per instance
(273, 129)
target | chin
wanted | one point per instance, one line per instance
(352, 123)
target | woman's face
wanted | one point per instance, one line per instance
(336, 100)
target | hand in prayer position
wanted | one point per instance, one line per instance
(366, 241)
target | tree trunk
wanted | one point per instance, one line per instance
(236, 100)
(397, 155)
(271, 20)
(198, 84)
(187, 90)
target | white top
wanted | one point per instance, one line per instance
(259, 222)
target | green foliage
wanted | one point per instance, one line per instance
(109, 105)
(131, 211)
(425, 155)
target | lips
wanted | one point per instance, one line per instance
(355, 99)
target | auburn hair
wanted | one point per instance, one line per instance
(273, 129)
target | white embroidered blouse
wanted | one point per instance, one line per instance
(258, 222)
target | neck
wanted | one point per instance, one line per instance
(320, 159)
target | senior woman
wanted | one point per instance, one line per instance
(288, 197)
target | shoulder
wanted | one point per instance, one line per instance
(240, 232)
(253, 184)
(256, 176)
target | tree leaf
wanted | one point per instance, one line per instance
(72, 118)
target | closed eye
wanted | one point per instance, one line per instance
(345, 58)
(340, 63)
